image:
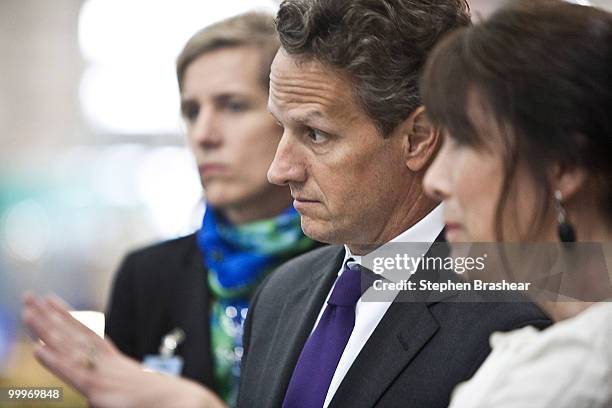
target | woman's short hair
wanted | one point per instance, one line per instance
(540, 71)
(252, 29)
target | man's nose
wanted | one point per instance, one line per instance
(288, 166)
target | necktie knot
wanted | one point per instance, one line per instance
(347, 289)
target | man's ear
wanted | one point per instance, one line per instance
(421, 140)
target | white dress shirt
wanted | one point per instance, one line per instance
(369, 314)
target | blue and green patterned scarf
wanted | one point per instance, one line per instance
(238, 258)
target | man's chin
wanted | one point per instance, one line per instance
(318, 230)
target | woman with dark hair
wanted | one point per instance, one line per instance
(524, 100)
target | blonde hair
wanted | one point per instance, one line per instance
(255, 29)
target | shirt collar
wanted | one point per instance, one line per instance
(426, 229)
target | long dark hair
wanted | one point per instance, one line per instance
(541, 72)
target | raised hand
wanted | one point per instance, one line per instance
(95, 367)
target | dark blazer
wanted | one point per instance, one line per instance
(156, 290)
(414, 358)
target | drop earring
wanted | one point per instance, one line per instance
(566, 231)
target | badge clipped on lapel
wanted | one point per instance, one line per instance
(166, 362)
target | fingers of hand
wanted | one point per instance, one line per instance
(71, 350)
(52, 323)
(81, 333)
(40, 321)
(68, 370)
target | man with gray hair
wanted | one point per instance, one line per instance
(355, 147)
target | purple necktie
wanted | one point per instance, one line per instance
(321, 353)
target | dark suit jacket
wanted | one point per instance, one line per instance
(157, 289)
(415, 357)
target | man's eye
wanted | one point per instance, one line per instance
(317, 136)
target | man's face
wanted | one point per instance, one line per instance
(345, 178)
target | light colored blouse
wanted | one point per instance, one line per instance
(568, 365)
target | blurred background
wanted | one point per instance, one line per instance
(93, 161)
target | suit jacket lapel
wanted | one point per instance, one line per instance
(400, 335)
(404, 330)
(297, 319)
